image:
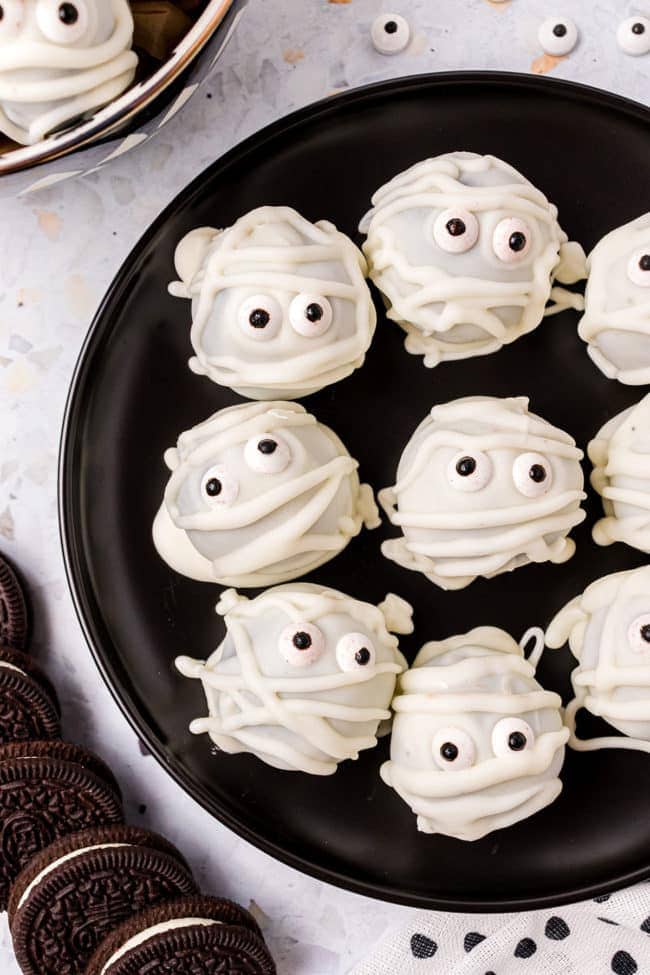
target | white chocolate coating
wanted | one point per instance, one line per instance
(473, 691)
(498, 520)
(455, 303)
(606, 631)
(620, 453)
(275, 259)
(616, 322)
(276, 525)
(302, 713)
(48, 79)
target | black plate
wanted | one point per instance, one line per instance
(133, 394)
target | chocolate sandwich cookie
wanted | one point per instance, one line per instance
(42, 799)
(14, 615)
(65, 752)
(77, 891)
(29, 707)
(191, 936)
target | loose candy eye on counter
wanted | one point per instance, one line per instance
(558, 36)
(391, 34)
(633, 36)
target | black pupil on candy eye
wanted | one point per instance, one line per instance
(560, 30)
(644, 263)
(302, 640)
(362, 656)
(313, 313)
(638, 29)
(645, 632)
(449, 751)
(537, 474)
(517, 741)
(517, 241)
(213, 487)
(390, 27)
(466, 466)
(456, 227)
(259, 318)
(267, 446)
(68, 14)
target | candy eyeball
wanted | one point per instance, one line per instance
(638, 269)
(219, 488)
(258, 494)
(391, 34)
(63, 23)
(558, 36)
(301, 644)
(310, 315)
(469, 754)
(12, 14)
(303, 678)
(532, 474)
(466, 253)
(453, 749)
(607, 628)
(633, 36)
(355, 651)
(267, 454)
(483, 486)
(456, 231)
(280, 306)
(470, 471)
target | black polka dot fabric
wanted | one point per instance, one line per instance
(624, 964)
(526, 948)
(472, 939)
(645, 926)
(557, 929)
(423, 947)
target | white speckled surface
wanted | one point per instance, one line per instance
(58, 254)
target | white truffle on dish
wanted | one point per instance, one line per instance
(259, 494)
(483, 487)
(477, 743)
(61, 61)
(465, 251)
(620, 453)
(280, 306)
(616, 322)
(608, 630)
(304, 677)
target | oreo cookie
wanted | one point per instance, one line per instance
(29, 707)
(42, 799)
(72, 895)
(192, 936)
(65, 752)
(14, 615)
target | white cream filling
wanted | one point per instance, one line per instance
(140, 939)
(58, 863)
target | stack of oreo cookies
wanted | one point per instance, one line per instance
(87, 894)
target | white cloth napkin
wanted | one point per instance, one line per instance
(601, 937)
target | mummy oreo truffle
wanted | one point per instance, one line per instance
(260, 494)
(304, 677)
(620, 453)
(280, 306)
(483, 487)
(60, 61)
(477, 743)
(616, 322)
(465, 251)
(608, 630)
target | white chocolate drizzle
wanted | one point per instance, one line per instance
(73, 80)
(245, 704)
(277, 251)
(620, 453)
(614, 683)
(427, 299)
(453, 547)
(290, 540)
(471, 682)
